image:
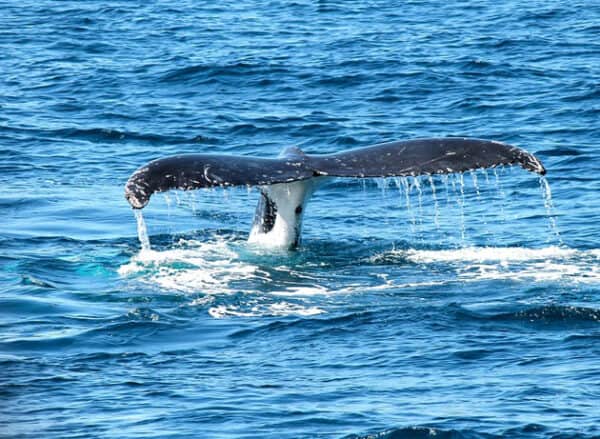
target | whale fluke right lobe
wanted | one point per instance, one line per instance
(423, 157)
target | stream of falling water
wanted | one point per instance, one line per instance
(461, 203)
(436, 209)
(415, 201)
(549, 205)
(413, 218)
(142, 230)
(500, 191)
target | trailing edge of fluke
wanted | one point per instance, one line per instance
(402, 158)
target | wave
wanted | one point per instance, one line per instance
(207, 72)
(333, 324)
(422, 433)
(551, 314)
(559, 151)
(109, 135)
(419, 432)
(62, 331)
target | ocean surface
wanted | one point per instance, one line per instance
(458, 307)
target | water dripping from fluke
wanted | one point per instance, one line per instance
(142, 230)
(436, 217)
(549, 205)
(461, 203)
(449, 219)
(426, 215)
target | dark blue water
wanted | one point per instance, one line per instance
(465, 307)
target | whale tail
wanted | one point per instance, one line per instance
(287, 182)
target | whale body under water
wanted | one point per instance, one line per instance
(287, 182)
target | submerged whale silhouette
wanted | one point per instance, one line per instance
(287, 182)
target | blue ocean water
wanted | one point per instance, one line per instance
(460, 307)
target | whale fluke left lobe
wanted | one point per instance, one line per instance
(196, 171)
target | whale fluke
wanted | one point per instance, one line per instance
(287, 182)
(403, 158)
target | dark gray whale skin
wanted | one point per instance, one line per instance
(401, 158)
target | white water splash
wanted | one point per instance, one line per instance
(192, 266)
(214, 269)
(514, 263)
(279, 309)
